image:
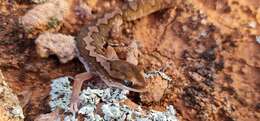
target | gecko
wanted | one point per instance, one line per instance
(101, 59)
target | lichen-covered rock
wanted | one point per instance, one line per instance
(10, 109)
(103, 105)
(56, 44)
(46, 15)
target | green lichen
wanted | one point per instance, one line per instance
(53, 23)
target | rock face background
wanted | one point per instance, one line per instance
(209, 47)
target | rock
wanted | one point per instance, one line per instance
(156, 89)
(195, 76)
(56, 44)
(46, 15)
(53, 116)
(10, 109)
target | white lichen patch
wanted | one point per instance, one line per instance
(169, 115)
(70, 118)
(157, 73)
(41, 15)
(57, 44)
(114, 95)
(60, 93)
(17, 111)
(122, 113)
(114, 111)
(258, 39)
(252, 24)
(39, 1)
(109, 99)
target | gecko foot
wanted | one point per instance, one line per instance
(74, 105)
(78, 81)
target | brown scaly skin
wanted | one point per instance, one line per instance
(91, 52)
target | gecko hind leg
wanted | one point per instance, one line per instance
(78, 82)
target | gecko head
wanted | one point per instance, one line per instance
(129, 74)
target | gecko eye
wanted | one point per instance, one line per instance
(128, 83)
(105, 45)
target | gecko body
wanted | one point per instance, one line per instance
(92, 38)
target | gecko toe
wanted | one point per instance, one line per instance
(74, 107)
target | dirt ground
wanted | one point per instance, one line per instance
(209, 45)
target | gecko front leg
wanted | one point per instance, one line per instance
(78, 81)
